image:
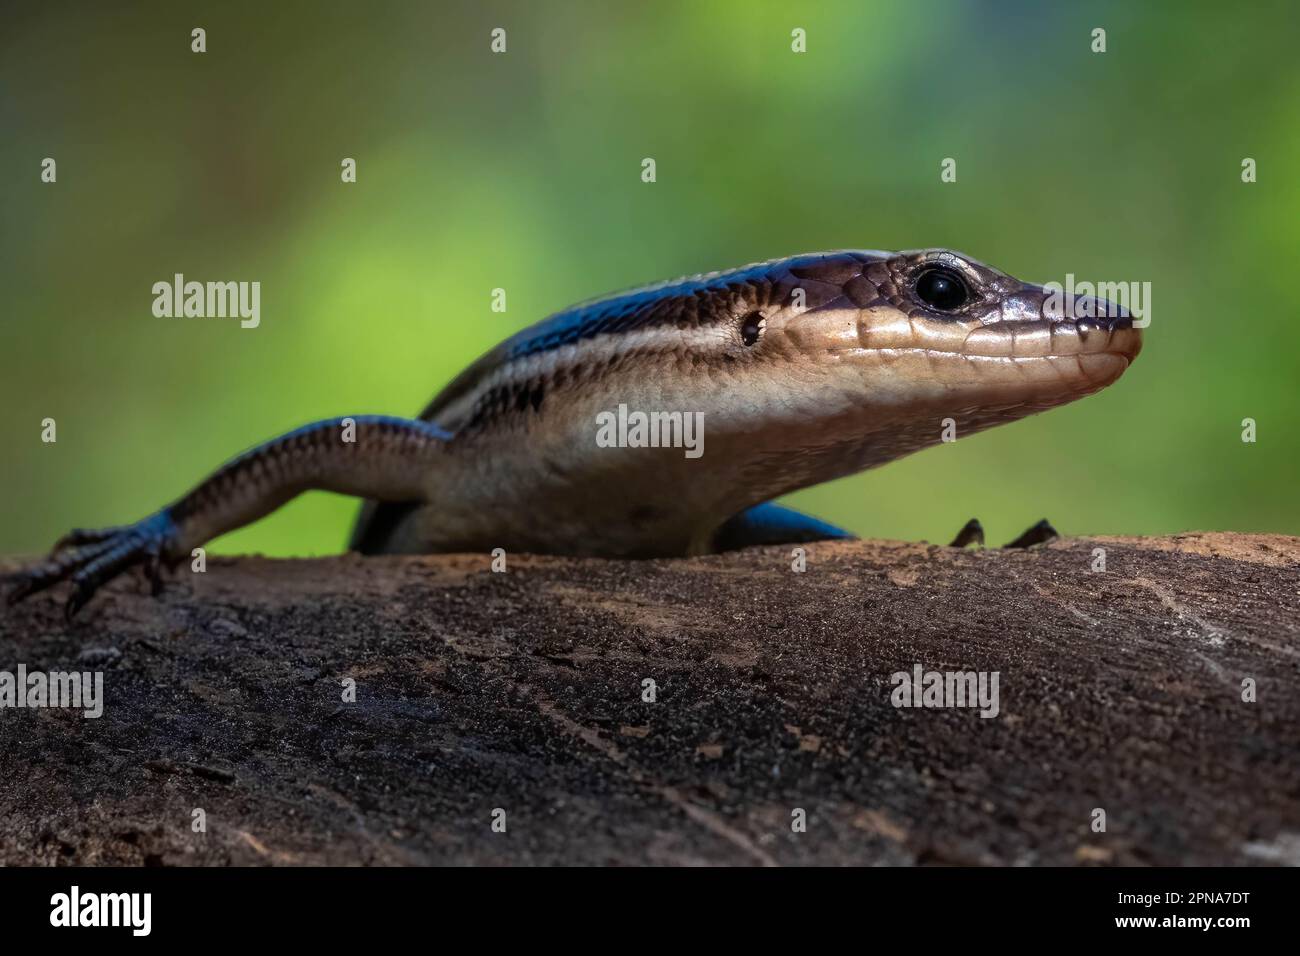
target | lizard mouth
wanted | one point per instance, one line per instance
(1056, 357)
(1052, 339)
(1005, 340)
(1019, 341)
(1094, 353)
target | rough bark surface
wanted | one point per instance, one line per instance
(523, 691)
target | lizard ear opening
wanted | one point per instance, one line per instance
(751, 328)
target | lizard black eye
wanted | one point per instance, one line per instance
(942, 289)
(751, 328)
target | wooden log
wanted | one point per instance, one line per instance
(773, 693)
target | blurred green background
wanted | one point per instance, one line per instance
(522, 171)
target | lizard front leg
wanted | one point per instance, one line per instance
(371, 456)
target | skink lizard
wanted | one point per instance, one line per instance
(805, 369)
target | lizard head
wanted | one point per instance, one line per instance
(938, 327)
(857, 358)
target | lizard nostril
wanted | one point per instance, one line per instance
(1101, 313)
(1115, 316)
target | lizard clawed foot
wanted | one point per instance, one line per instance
(79, 537)
(1040, 533)
(91, 558)
(971, 533)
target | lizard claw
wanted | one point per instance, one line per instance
(79, 537)
(971, 533)
(89, 559)
(1040, 533)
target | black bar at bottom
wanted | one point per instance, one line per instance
(330, 906)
